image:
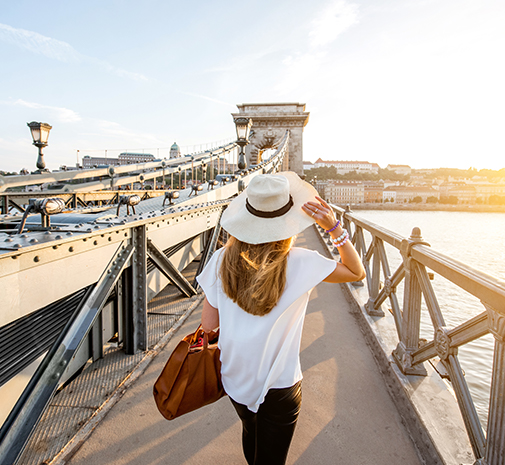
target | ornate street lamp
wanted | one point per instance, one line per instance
(112, 173)
(170, 195)
(243, 126)
(204, 171)
(129, 201)
(40, 134)
(163, 166)
(46, 207)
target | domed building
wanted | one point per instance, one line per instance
(175, 151)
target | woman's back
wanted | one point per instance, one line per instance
(262, 352)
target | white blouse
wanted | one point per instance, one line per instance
(263, 352)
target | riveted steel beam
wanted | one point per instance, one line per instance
(170, 271)
(138, 331)
(31, 405)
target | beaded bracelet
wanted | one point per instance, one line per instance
(334, 227)
(341, 240)
(341, 237)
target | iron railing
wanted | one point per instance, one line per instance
(131, 258)
(411, 351)
(136, 172)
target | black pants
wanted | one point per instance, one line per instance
(267, 434)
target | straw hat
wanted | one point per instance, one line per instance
(270, 209)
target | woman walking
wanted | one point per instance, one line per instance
(257, 289)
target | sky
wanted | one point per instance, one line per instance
(416, 82)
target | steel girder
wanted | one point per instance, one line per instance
(40, 390)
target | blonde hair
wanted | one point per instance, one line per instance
(254, 275)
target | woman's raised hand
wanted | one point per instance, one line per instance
(321, 212)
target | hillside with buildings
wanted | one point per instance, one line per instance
(359, 182)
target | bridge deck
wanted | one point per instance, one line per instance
(347, 414)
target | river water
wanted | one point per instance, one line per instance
(476, 239)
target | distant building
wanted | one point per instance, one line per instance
(344, 167)
(175, 151)
(400, 169)
(125, 158)
(93, 162)
(470, 192)
(67, 168)
(484, 190)
(373, 191)
(308, 165)
(344, 192)
(404, 194)
(222, 166)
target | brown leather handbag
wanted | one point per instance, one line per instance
(191, 377)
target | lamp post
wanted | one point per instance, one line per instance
(112, 172)
(243, 127)
(204, 172)
(40, 134)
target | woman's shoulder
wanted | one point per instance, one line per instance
(307, 268)
(301, 254)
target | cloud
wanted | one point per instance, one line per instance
(63, 115)
(332, 21)
(113, 129)
(58, 50)
(39, 44)
(117, 71)
(300, 69)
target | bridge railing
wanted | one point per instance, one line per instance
(411, 351)
(145, 171)
(119, 262)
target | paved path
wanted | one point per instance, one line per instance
(347, 415)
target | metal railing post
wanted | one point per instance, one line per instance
(409, 337)
(495, 444)
(373, 290)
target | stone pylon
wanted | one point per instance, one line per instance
(270, 122)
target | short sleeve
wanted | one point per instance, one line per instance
(208, 279)
(307, 269)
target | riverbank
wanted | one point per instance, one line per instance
(428, 207)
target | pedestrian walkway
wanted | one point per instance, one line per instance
(347, 416)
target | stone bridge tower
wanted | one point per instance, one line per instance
(270, 122)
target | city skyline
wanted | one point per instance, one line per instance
(416, 83)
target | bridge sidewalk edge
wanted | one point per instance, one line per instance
(85, 431)
(434, 448)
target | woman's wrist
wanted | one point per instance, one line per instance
(337, 224)
(341, 240)
(336, 233)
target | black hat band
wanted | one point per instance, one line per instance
(273, 214)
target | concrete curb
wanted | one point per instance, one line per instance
(80, 437)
